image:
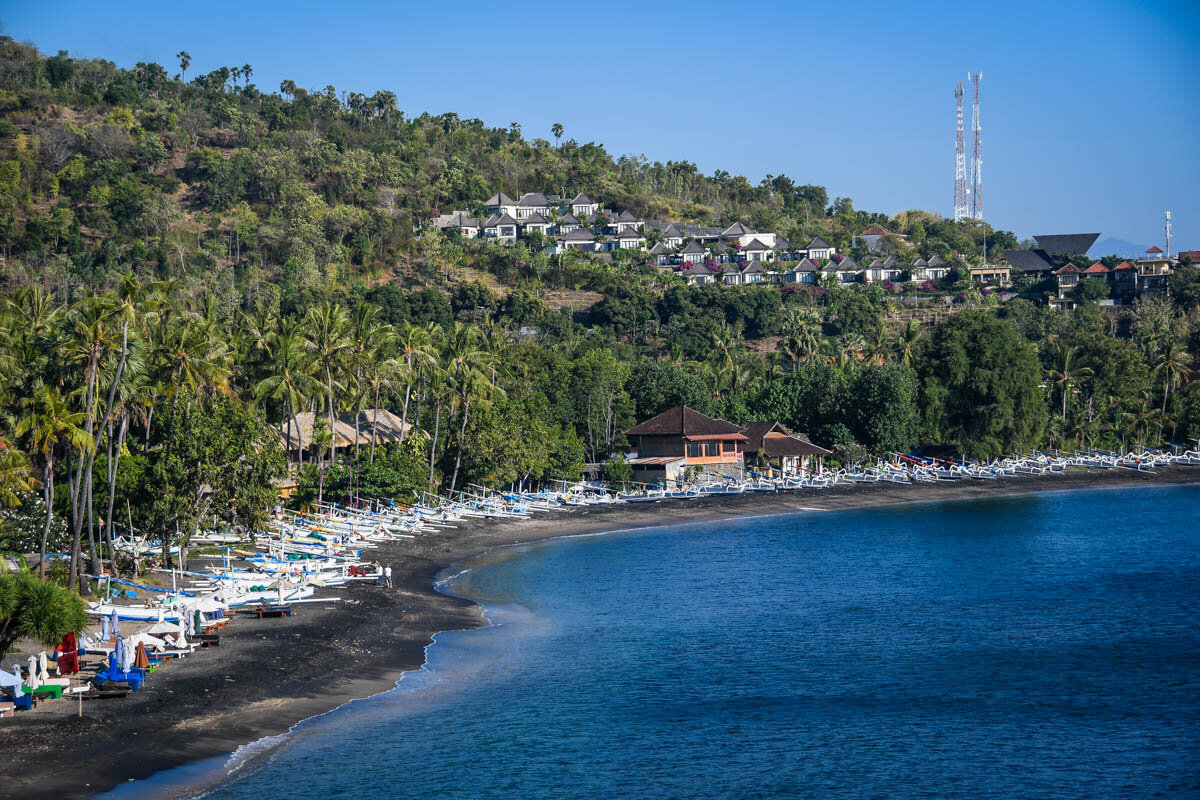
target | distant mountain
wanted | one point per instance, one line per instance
(1116, 247)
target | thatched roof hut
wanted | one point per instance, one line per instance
(374, 425)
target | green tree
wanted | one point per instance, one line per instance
(50, 424)
(1066, 372)
(33, 608)
(981, 386)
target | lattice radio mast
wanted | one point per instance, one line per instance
(977, 154)
(960, 163)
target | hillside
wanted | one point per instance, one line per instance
(190, 266)
(108, 170)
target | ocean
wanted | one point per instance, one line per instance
(1044, 647)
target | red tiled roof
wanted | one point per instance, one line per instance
(684, 421)
(1123, 266)
(1096, 269)
(1069, 269)
(875, 230)
(1155, 249)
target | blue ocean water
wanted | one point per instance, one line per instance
(1036, 647)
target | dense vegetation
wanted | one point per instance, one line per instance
(188, 264)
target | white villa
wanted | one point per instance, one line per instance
(733, 255)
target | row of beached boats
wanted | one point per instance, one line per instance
(331, 545)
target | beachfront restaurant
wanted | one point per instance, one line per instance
(771, 444)
(682, 439)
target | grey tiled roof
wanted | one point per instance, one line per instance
(1067, 244)
(1029, 260)
(499, 199)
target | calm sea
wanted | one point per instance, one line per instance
(1037, 647)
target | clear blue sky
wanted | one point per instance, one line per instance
(1091, 110)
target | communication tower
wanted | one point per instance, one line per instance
(977, 153)
(960, 162)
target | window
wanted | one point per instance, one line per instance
(693, 450)
(712, 449)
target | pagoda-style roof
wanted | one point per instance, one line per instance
(686, 422)
(789, 445)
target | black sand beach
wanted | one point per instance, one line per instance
(269, 674)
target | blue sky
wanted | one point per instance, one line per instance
(1090, 110)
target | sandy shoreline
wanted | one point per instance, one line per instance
(270, 674)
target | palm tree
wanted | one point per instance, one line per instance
(185, 61)
(908, 342)
(369, 339)
(557, 130)
(16, 474)
(878, 348)
(49, 423)
(1173, 364)
(417, 351)
(1066, 372)
(328, 339)
(466, 364)
(1139, 422)
(290, 381)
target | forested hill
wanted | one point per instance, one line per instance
(189, 263)
(172, 174)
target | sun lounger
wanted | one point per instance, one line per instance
(134, 677)
(273, 611)
(107, 692)
(45, 691)
(7, 709)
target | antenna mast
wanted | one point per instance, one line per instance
(960, 162)
(1167, 228)
(977, 155)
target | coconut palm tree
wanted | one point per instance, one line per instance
(327, 328)
(1173, 364)
(417, 351)
(50, 423)
(908, 342)
(16, 474)
(290, 380)
(1066, 372)
(467, 364)
(369, 340)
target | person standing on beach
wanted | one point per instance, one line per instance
(387, 575)
(379, 572)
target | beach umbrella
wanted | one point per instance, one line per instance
(115, 656)
(141, 660)
(34, 677)
(12, 679)
(114, 624)
(43, 672)
(104, 623)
